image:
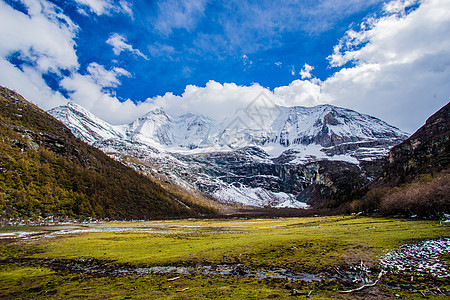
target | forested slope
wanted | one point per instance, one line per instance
(46, 171)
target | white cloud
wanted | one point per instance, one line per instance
(246, 60)
(174, 14)
(118, 42)
(215, 99)
(86, 91)
(45, 37)
(29, 83)
(218, 100)
(399, 6)
(305, 72)
(292, 70)
(299, 92)
(101, 7)
(45, 40)
(401, 69)
(106, 78)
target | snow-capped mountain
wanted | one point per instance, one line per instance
(155, 126)
(266, 156)
(323, 125)
(193, 131)
(84, 124)
(190, 131)
(290, 127)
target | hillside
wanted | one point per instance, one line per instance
(46, 171)
(416, 177)
(427, 151)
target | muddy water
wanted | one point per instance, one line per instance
(52, 231)
(233, 270)
(110, 269)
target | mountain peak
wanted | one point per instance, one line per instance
(84, 124)
(256, 157)
(289, 127)
(156, 111)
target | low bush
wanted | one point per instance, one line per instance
(424, 199)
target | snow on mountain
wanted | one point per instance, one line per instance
(289, 127)
(84, 124)
(260, 156)
(155, 126)
(189, 131)
(256, 196)
(324, 125)
(193, 131)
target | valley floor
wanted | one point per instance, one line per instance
(316, 257)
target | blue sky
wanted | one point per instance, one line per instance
(120, 59)
(192, 42)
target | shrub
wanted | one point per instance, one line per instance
(424, 199)
(370, 202)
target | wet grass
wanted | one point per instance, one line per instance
(42, 283)
(308, 245)
(312, 245)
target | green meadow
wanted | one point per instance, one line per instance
(320, 246)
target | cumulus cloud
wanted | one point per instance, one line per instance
(44, 37)
(215, 99)
(101, 7)
(305, 72)
(401, 64)
(106, 78)
(300, 92)
(87, 90)
(44, 41)
(119, 44)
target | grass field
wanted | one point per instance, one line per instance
(323, 246)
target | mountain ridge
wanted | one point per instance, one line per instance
(244, 159)
(325, 125)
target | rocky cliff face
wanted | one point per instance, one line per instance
(289, 156)
(427, 151)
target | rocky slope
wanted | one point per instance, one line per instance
(427, 151)
(45, 171)
(415, 177)
(262, 156)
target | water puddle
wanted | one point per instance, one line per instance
(232, 270)
(104, 268)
